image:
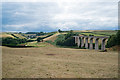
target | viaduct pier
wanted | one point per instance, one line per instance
(82, 41)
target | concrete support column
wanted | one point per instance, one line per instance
(75, 39)
(86, 42)
(91, 43)
(103, 44)
(96, 44)
(82, 41)
(78, 43)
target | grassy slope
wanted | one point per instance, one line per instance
(20, 36)
(52, 38)
(3, 35)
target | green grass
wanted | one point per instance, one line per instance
(91, 34)
(99, 33)
(53, 43)
(36, 44)
(108, 33)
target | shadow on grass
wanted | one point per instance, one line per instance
(19, 46)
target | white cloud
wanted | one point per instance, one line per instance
(64, 25)
(60, 0)
(19, 13)
(63, 14)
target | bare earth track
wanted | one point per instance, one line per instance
(54, 62)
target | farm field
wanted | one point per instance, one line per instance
(97, 32)
(53, 62)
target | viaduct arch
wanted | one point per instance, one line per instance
(82, 41)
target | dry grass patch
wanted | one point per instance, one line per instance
(63, 63)
(4, 35)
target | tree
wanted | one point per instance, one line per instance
(114, 40)
(20, 32)
(59, 30)
(39, 39)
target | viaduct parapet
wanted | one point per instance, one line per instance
(82, 41)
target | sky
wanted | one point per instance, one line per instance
(51, 15)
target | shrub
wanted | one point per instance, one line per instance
(91, 35)
(39, 39)
(49, 41)
(100, 46)
(111, 41)
(69, 41)
(60, 40)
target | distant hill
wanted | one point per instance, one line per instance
(5, 34)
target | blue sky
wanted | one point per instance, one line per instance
(65, 15)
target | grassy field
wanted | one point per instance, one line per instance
(97, 32)
(53, 62)
(109, 32)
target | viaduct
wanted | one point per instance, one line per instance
(79, 40)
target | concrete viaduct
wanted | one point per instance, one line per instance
(79, 40)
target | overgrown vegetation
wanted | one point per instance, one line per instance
(66, 39)
(114, 40)
(12, 41)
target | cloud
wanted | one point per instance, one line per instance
(65, 15)
(60, 0)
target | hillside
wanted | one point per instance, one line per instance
(5, 34)
(52, 38)
(19, 36)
